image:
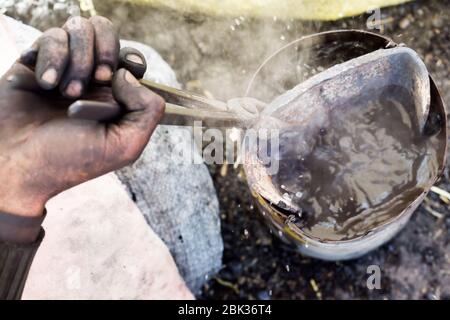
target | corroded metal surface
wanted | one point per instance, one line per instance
(278, 212)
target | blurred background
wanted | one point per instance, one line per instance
(215, 48)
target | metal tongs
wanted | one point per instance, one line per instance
(183, 107)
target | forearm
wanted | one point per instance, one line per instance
(20, 238)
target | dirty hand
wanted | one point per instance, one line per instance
(43, 151)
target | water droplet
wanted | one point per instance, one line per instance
(299, 194)
(290, 219)
(246, 233)
(288, 269)
(333, 208)
(263, 295)
(286, 196)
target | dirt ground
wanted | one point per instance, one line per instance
(217, 56)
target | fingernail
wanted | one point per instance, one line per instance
(74, 89)
(132, 57)
(131, 79)
(50, 76)
(103, 73)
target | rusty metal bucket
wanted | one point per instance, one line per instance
(279, 218)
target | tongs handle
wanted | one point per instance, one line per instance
(183, 107)
(183, 98)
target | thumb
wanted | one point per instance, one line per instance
(143, 109)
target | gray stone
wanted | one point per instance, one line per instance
(178, 200)
(174, 190)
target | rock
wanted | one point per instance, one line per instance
(404, 23)
(23, 37)
(98, 246)
(175, 192)
(178, 200)
(41, 13)
(263, 295)
(437, 22)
